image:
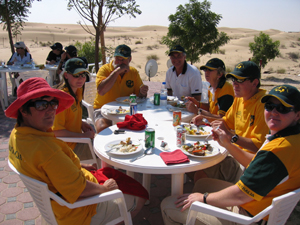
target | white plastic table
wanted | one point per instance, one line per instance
(153, 164)
(11, 69)
(52, 71)
(150, 112)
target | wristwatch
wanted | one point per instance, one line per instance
(234, 138)
(204, 197)
(199, 111)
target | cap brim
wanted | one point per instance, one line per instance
(228, 75)
(207, 67)
(121, 56)
(79, 70)
(266, 98)
(175, 51)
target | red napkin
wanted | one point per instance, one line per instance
(134, 122)
(174, 157)
(126, 184)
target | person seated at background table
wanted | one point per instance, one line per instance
(220, 92)
(54, 56)
(273, 171)
(69, 122)
(116, 79)
(182, 79)
(37, 153)
(243, 123)
(21, 56)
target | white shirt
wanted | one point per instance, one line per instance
(17, 58)
(185, 84)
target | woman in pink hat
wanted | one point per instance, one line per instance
(35, 152)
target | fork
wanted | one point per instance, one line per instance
(206, 139)
(146, 152)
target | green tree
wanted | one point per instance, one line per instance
(264, 49)
(13, 13)
(87, 49)
(99, 13)
(194, 27)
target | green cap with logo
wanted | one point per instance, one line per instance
(288, 95)
(176, 48)
(75, 65)
(213, 64)
(246, 69)
(123, 51)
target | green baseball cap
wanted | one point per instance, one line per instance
(288, 95)
(75, 65)
(123, 51)
(213, 64)
(246, 69)
(176, 48)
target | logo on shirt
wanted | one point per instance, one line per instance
(252, 117)
(129, 83)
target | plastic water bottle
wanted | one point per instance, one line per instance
(163, 94)
(33, 64)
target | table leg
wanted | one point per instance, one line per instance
(146, 184)
(177, 184)
(4, 88)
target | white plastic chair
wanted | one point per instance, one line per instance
(278, 212)
(93, 71)
(86, 141)
(90, 93)
(204, 95)
(41, 195)
(2, 96)
(29, 74)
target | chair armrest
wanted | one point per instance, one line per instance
(90, 110)
(222, 213)
(110, 195)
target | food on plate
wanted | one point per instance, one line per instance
(125, 146)
(177, 104)
(182, 98)
(120, 110)
(126, 100)
(197, 149)
(192, 130)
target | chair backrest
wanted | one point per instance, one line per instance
(90, 92)
(40, 194)
(283, 206)
(204, 94)
(29, 74)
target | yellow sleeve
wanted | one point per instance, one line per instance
(60, 121)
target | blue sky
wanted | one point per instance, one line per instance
(282, 15)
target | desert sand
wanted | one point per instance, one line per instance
(149, 37)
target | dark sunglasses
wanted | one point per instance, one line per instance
(83, 75)
(279, 108)
(19, 48)
(41, 105)
(233, 79)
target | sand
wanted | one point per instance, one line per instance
(149, 37)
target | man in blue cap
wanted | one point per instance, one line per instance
(114, 80)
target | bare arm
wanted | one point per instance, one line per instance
(231, 196)
(108, 82)
(95, 189)
(244, 142)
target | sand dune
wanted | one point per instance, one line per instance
(145, 41)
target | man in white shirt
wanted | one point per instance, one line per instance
(182, 79)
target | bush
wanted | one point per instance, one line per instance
(283, 47)
(281, 71)
(149, 47)
(228, 69)
(87, 50)
(293, 55)
(138, 42)
(155, 57)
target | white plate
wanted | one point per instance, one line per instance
(114, 112)
(172, 108)
(206, 128)
(212, 153)
(125, 99)
(112, 144)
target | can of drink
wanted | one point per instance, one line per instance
(180, 137)
(156, 98)
(149, 138)
(176, 118)
(133, 108)
(132, 98)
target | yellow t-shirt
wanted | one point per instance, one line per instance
(221, 100)
(45, 158)
(129, 84)
(247, 118)
(71, 118)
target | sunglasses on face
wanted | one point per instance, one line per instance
(41, 105)
(19, 48)
(83, 75)
(279, 108)
(233, 79)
